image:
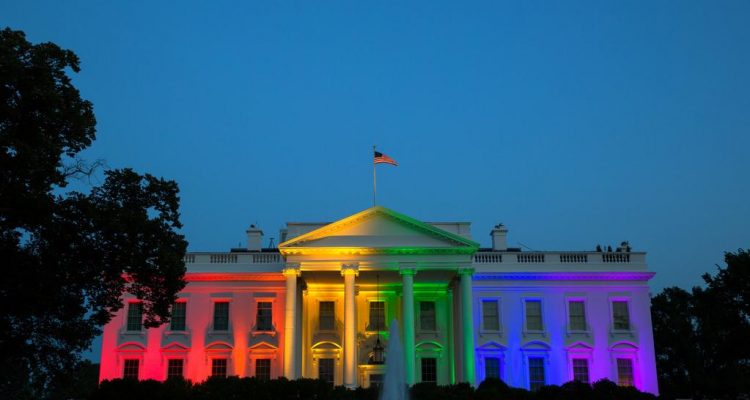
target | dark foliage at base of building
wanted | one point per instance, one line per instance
(312, 389)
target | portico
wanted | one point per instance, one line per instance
(417, 267)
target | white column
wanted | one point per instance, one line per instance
(290, 321)
(467, 324)
(350, 326)
(407, 302)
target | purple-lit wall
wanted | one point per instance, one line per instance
(600, 344)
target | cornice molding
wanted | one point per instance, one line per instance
(368, 251)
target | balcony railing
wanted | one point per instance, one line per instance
(530, 258)
(267, 258)
(488, 258)
(223, 258)
(616, 257)
(550, 257)
(233, 258)
(574, 258)
(484, 257)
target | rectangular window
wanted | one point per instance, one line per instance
(536, 373)
(178, 317)
(174, 368)
(131, 369)
(135, 316)
(492, 367)
(624, 372)
(263, 368)
(581, 370)
(429, 370)
(377, 315)
(534, 315)
(264, 317)
(221, 316)
(219, 367)
(577, 315)
(490, 315)
(620, 315)
(327, 316)
(325, 370)
(427, 315)
(376, 380)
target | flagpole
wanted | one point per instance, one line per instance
(374, 177)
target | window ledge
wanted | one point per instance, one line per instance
(535, 333)
(258, 332)
(177, 333)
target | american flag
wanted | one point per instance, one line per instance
(381, 158)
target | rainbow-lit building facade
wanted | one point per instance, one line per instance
(320, 305)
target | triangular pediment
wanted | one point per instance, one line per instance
(580, 347)
(379, 230)
(492, 346)
(177, 347)
(262, 346)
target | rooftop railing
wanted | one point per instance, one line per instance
(233, 258)
(483, 257)
(549, 257)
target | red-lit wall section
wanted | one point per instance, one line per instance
(204, 337)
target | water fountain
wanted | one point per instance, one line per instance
(394, 382)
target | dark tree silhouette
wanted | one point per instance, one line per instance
(675, 341)
(701, 337)
(68, 257)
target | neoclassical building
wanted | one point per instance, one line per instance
(320, 305)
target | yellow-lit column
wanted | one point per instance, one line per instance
(467, 324)
(291, 272)
(407, 302)
(350, 326)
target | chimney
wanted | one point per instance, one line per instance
(499, 238)
(254, 238)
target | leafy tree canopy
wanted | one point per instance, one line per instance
(701, 336)
(68, 258)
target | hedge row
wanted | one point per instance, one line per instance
(311, 389)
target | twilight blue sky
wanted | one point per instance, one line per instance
(574, 123)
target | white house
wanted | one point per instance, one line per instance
(318, 304)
